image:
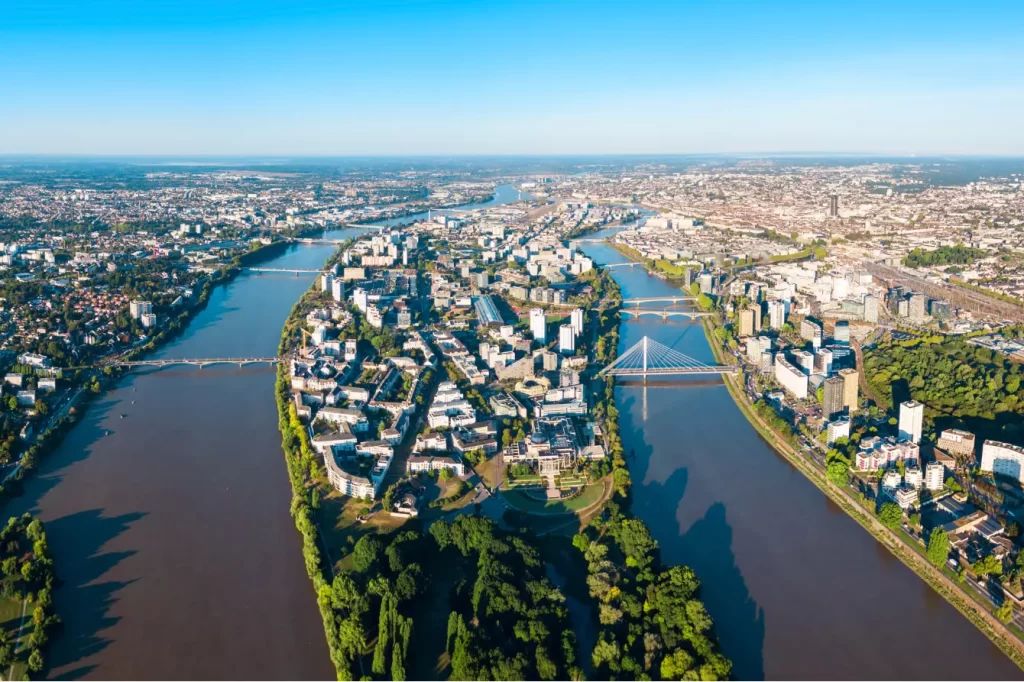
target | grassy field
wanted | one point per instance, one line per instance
(521, 500)
(11, 621)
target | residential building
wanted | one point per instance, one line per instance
(576, 320)
(746, 322)
(538, 325)
(911, 420)
(139, 308)
(832, 398)
(566, 339)
(776, 314)
(916, 307)
(959, 444)
(840, 428)
(870, 308)
(1003, 459)
(790, 378)
(934, 476)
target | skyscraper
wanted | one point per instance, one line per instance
(833, 206)
(911, 419)
(851, 389)
(916, 307)
(832, 399)
(538, 325)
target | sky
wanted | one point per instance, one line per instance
(254, 77)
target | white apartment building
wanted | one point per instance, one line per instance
(140, 308)
(566, 339)
(538, 325)
(790, 378)
(911, 419)
(1003, 459)
(933, 476)
(576, 320)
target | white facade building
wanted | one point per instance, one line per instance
(911, 419)
(790, 378)
(566, 339)
(1003, 459)
(538, 325)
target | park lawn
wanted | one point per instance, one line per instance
(591, 495)
(488, 472)
(10, 620)
(336, 519)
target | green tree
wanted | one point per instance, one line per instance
(1005, 612)
(838, 472)
(938, 547)
(366, 553)
(890, 515)
(35, 661)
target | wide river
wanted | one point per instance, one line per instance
(167, 513)
(797, 589)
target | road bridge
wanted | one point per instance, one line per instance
(664, 314)
(624, 265)
(649, 358)
(296, 271)
(659, 299)
(198, 362)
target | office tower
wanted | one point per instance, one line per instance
(832, 399)
(755, 310)
(911, 419)
(538, 325)
(833, 206)
(851, 398)
(842, 332)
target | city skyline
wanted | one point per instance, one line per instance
(421, 79)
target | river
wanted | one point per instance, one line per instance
(169, 525)
(797, 589)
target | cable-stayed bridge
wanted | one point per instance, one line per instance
(650, 358)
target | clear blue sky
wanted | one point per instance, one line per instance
(311, 78)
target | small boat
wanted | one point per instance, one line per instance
(122, 415)
(133, 402)
(107, 433)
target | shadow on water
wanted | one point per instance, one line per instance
(82, 536)
(706, 547)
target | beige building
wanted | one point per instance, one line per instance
(851, 389)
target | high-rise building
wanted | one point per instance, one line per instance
(851, 399)
(360, 298)
(810, 330)
(842, 332)
(911, 420)
(934, 476)
(325, 281)
(538, 325)
(566, 339)
(833, 206)
(338, 291)
(870, 308)
(916, 307)
(755, 310)
(576, 320)
(707, 283)
(140, 308)
(840, 428)
(832, 398)
(790, 378)
(746, 322)
(823, 361)
(1003, 459)
(776, 314)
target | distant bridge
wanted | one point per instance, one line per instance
(649, 358)
(660, 299)
(664, 314)
(198, 362)
(630, 264)
(297, 271)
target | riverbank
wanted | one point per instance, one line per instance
(912, 556)
(940, 581)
